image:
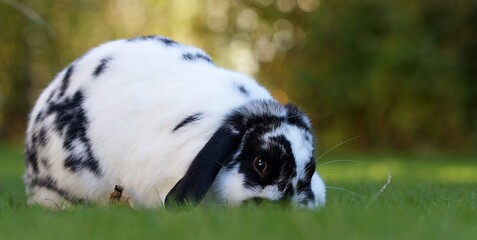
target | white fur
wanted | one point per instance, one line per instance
(146, 89)
(319, 189)
(229, 187)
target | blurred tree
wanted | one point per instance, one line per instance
(15, 77)
(402, 74)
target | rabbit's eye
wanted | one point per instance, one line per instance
(260, 165)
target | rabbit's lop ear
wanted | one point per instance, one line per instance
(217, 152)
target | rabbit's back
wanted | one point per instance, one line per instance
(131, 112)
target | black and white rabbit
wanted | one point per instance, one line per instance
(160, 119)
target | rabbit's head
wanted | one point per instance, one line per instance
(262, 150)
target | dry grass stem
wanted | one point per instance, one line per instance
(383, 188)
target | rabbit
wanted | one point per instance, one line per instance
(160, 119)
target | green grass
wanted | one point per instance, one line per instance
(429, 198)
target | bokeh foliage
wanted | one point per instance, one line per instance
(401, 74)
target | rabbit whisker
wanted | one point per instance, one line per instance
(348, 191)
(337, 145)
(339, 160)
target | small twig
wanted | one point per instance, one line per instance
(383, 188)
(117, 197)
(32, 15)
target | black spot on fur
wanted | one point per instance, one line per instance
(40, 137)
(188, 120)
(196, 57)
(51, 96)
(31, 159)
(66, 81)
(242, 90)
(304, 185)
(300, 186)
(69, 114)
(261, 123)
(86, 160)
(102, 66)
(72, 123)
(258, 112)
(310, 169)
(46, 164)
(166, 41)
(296, 117)
(49, 183)
(39, 117)
(288, 190)
(142, 38)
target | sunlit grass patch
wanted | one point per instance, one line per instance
(402, 170)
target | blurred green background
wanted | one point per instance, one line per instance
(400, 74)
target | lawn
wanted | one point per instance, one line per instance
(429, 197)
